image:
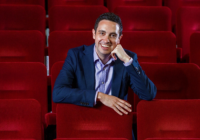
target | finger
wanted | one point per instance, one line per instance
(124, 106)
(121, 109)
(113, 55)
(116, 110)
(126, 103)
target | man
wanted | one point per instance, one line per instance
(103, 71)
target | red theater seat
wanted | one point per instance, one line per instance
(21, 46)
(194, 48)
(23, 2)
(24, 80)
(52, 3)
(90, 139)
(144, 18)
(174, 5)
(20, 120)
(188, 21)
(173, 81)
(99, 122)
(157, 46)
(172, 119)
(83, 17)
(112, 4)
(22, 17)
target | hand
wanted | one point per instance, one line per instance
(118, 105)
(122, 55)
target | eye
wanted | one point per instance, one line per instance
(113, 35)
(102, 33)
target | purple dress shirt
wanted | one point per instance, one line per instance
(103, 75)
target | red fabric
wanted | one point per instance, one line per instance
(157, 46)
(20, 119)
(90, 139)
(194, 48)
(82, 122)
(144, 18)
(172, 139)
(26, 80)
(50, 119)
(18, 17)
(112, 4)
(188, 21)
(83, 17)
(21, 46)
(173, 81)
(52, 3)
(174, 5)
(24, 2)
(168, 119)
(54, 74)
(60, 42)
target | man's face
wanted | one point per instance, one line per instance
(106, 37)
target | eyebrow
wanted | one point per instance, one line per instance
(105, 31)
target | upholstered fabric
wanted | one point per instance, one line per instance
(84, 122)
(21, 46)
(151, 46)
(20, 119)
(194, 48)
(168, 119)
(82, 19)
(112, 4)
(25, 80)
(144, 18)
(24, 2)
(61, 41)
(22, 17)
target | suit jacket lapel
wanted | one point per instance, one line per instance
(88, 67)
(117, 77)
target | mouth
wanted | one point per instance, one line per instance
(105, 47)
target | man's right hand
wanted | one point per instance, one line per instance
(118, 105)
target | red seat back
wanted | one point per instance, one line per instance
(157, 46)
(144, 18)
(61, 41)
(168, 119)
(82, 19)
(99, 122)
(112, 4)
(173, 81)
(22, 17)
(194, 48)
(21, 46)
(20, 119)
(26, 80)
(23, 2)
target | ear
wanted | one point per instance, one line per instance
(93, 33)
(120, 38)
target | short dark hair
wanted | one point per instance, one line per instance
(111, 17)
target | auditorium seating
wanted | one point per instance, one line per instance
(22, 17)
(61, 41)
(168, 119)
(91, 138)
(194, 48)
(20, 119)
(174, 5)
(24, 80)
(86, 122)
(82, 19)
(151, 46)
(188, 21)
(23, 2)
(21, 46)
(173, 81)
(112, 4)
(144, 18)
(52, 3)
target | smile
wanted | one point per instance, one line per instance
(106, 46)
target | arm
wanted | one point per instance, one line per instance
(65, 90)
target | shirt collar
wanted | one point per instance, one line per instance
(96, 57)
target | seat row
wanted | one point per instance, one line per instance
(134, 19)
(156, 120)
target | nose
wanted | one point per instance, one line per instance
(106, 39)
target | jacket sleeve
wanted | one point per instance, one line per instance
(65, 90)
(139, 82)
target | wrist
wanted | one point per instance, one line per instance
(127, 59)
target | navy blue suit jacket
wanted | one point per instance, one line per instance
(76, 82)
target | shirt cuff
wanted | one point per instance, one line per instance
(95, 99)
(129, 62)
